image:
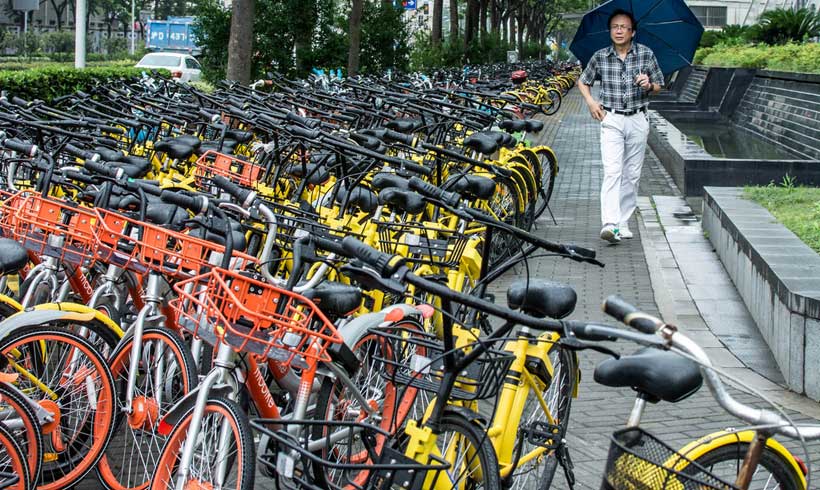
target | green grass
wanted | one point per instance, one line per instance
(796, 208)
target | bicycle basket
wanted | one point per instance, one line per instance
(213, 163)
(422, 244)
(252, 316)
(416, 359)
(640, 461)
(142, 247)
(353, 455)
(48, 227)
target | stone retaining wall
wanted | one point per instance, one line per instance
(778, 277)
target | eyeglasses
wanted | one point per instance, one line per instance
(618, 27)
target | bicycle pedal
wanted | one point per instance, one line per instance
(562, 453)
(542, 434)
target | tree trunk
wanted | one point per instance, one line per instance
(482, 19)
(470, 26)
(453, 21)
(438, 11)
(511, 31)
(495, 19)
(240, 43)
(521, 34)
(355, 25)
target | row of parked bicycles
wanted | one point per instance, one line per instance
(277, 282)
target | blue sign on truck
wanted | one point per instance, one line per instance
(174, 34)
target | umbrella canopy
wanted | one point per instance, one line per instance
(667, 27)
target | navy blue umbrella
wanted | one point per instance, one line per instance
(667, 27)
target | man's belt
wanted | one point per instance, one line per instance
(625, 113)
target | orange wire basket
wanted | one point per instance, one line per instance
(142, 247)
(255, 317)
(212, 163)
(48, 227)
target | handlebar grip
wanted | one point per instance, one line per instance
(417, 168)
(20, 147)
(299, 131)
(593, 333)
(238, 192)
(78, 152)
(78, 177)
(583, 252)
(330, 246)
(427, 189)
(193, 203)
(616, 307)
(100, 168)
(407, 139)
(207, 115)
(303, 121)
(385, 264)
(19, 102)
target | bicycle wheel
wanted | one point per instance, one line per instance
(235, 467)
(166, 374)
(504, 207)
(773, 472)
(69, 378)
(21, 421)
(14, 474)
(549, 170)
(468, 450)
(551, 107)
(539, 472)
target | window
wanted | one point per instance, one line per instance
(191, 63)
(710, 16)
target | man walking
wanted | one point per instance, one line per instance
(629, 72)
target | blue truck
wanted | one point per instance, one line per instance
(174, 34)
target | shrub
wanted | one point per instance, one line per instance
(50, 82)
(782, 26)
(789, 57)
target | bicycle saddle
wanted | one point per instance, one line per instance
(360, 197)
(335, 299)
(660, 374)
(142, 164)
(401, 200)
(176, 149)
(315, 176)
(108, 155)
(404, 125)
(471, 186)
(13, 256)
(383, 180)
(541, 298)
(206, 232)
(482, 143)
(189, 140)
(227, 147)
(513, 125)
(368, 142)
(239, 136)
(534, 125)
(164, 214)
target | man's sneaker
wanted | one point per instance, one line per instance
(624, 231)
(610, 234)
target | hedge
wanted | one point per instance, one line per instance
(33, 65)
(803, 58)
(50, 82)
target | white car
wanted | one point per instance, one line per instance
(183, 67)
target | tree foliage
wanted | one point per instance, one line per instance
(781, 26)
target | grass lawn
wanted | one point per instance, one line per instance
(797, 208)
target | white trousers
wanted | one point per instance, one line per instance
(623, 145)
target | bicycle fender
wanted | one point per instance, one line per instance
(468, 414)
(186, 403)
(83, 309)
(705, 444)
(10, 302)
(38, 317)
(353, 331)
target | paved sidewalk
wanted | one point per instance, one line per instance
(600, 410)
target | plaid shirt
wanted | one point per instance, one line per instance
(618, 89)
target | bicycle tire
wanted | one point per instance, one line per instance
(725, 461)
(87, 407)
(29, 435)
(160, 344)
(478, 449)
(12, 463)
(242, 439)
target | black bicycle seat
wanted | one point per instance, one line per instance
(482, 143)
(513, 125)
(13, 256)
(541, 298)
(383, 180)
(404, 125)
(109, 155)
(660, 374)
(368, 142)
(335, 299)
(165, 214)
(471, 186)
(238, 135)
(140, 163)
(534, 125)
(315, 176)
(189, 140)
(360, 198)
(402, 200)
(176, 149)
